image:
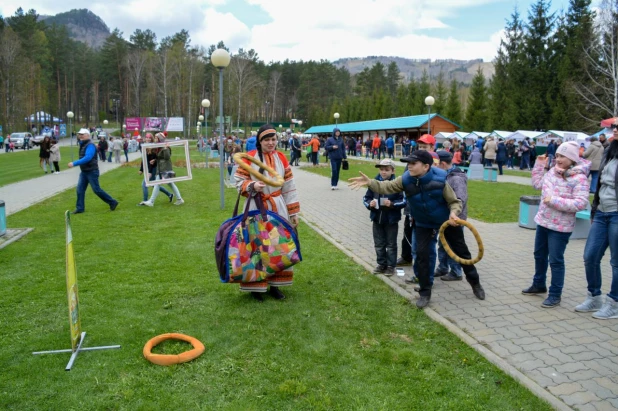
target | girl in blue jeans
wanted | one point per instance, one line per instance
(603, 234)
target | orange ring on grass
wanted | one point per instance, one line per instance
(171, 359)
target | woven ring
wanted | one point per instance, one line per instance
(276, 181)
(450, 252)
(171, 359)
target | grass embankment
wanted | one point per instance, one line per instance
(341, 340)
(489, 202)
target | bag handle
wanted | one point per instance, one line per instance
(236, 206)
(260, 206)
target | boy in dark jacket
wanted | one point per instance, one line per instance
(385, 214)
(432, 201)
(448, 269)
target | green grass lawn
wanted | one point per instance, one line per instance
(489, 202)
(517, 173)
(341, 340)
(23, 165)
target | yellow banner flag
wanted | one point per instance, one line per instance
(72, 286)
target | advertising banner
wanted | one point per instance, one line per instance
(63, 130)
(71, 272)
(154, 124)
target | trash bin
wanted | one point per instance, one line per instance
(490, 174)
(2, 219)
(528, 207)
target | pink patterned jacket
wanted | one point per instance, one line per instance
(568, 195)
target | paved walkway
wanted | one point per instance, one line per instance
(572, 355)
(23, 194)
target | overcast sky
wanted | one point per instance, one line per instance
(313, 29)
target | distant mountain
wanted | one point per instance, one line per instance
(461, 70)
(83, 25)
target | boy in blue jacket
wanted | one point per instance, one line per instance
(385, 214)
(432, 201)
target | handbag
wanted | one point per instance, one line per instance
(168, 174)
(345, 165)
(255, 245)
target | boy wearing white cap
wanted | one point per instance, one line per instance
(89, 173)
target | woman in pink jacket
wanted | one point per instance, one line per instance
(564, 192)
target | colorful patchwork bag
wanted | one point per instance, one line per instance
(255, 245)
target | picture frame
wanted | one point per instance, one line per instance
(177, 143)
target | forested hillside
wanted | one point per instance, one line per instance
(552, 71)
(83, 25)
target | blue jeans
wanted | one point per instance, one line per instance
(92, 178)
(603, 234)
(109, 157)
(549, 246)
(594, 178)
(126, 155)
(153, 177)
(385, 243)
(431, 246)
(509, 162)
(525, 160)
(446, 263)
(335, 167)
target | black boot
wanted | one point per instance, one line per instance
(276, 293)
(257, 296)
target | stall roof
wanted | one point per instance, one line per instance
(399, 123)
(522, 134)
(476, 134)
(500, 133)
(579, 136)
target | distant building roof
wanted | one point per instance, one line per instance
(399, 123)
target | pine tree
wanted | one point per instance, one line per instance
(392, 78)
(476, 112)
(452, 111)
(440, 94)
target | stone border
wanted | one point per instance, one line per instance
(19, 235)
(489, 355)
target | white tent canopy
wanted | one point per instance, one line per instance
(545, 138)
(500, 134)
(475, 135)
(42, 117)
(522, 134)
(442, 136)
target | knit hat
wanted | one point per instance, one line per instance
(570, 150)
(427, 139)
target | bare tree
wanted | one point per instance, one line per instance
(275, 79)
(242, 71)
(9, 51)
(599, 89)
(136, 61)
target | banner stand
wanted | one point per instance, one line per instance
(77, 351)
(77, 336)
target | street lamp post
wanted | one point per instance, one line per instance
(124, 130)
(336, 115)
(300, 125)
(199, 124)
(267, 112)
(429, 101)
(70, 117)
(220, 58)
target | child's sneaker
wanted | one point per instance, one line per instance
(609, 310)
(551, 302)
(591, 304)
(380, 269)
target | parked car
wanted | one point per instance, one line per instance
(18, 139)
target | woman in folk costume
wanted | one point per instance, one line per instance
(281, 200)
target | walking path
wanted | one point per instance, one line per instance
(572, 355)
(23, 194)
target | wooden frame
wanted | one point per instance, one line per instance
(178, 143)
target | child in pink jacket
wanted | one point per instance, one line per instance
(564, 191)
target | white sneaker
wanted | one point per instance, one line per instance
(591, 304)
(180, 201)
(609, 310)
(147, 203)
(333, 188)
